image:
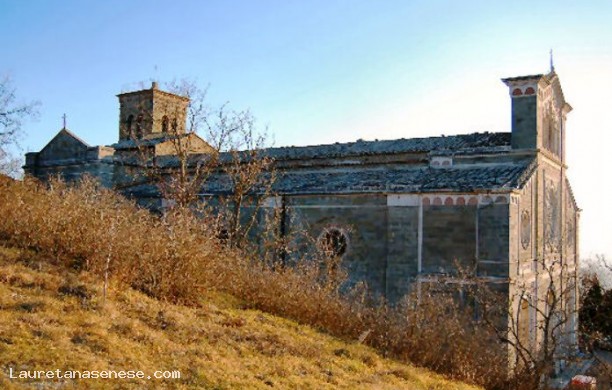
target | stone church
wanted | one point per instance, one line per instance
(401, 214)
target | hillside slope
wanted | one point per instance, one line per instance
(53, 318)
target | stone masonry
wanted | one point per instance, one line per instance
(400, 214)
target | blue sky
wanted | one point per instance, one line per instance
(325, 71)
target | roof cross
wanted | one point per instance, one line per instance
(64, 118)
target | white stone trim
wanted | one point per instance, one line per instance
(406, 200)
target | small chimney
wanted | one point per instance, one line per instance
(154, 85)
(524, 94)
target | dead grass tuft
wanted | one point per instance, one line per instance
(108, 245)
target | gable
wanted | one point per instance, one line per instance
(570, 196)
(64, 145)
(557, 94)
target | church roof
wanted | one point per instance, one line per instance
(521, 78)
(403, 145)
(495, 177)
(500, 177)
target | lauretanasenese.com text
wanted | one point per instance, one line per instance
(58, 374)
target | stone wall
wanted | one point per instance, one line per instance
(543, 219)
(395, 239)
(100, 170)
(159, 112)
(363, 218)
(63, 146)
(449, 238)
(402, 250)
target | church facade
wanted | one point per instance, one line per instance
(400, 214)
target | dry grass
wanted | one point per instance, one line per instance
(177, 259)
(52, 318)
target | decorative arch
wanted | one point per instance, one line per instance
(501, 200)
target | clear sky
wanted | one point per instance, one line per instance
(326, 71)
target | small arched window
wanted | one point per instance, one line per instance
(165, 121)
(174, 125)
(128, 125)
(139, 126)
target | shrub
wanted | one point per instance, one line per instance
(178, 256)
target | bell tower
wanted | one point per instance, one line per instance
(151, 113)
(539, 112)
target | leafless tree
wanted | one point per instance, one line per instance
(13, 113)
(235, 155)
(605, 262)
(600, 266)
(537, 324)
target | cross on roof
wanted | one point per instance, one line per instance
(64, 118)
(552, 65)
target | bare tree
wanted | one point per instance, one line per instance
(13, 113)
(233, 157)
(600, 266)
(537, 323)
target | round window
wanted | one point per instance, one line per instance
(333, 242)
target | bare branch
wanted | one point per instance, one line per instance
(13, 114)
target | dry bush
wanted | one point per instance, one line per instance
(177, 257)
(85, 226)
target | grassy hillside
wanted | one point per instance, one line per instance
(55, 318)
